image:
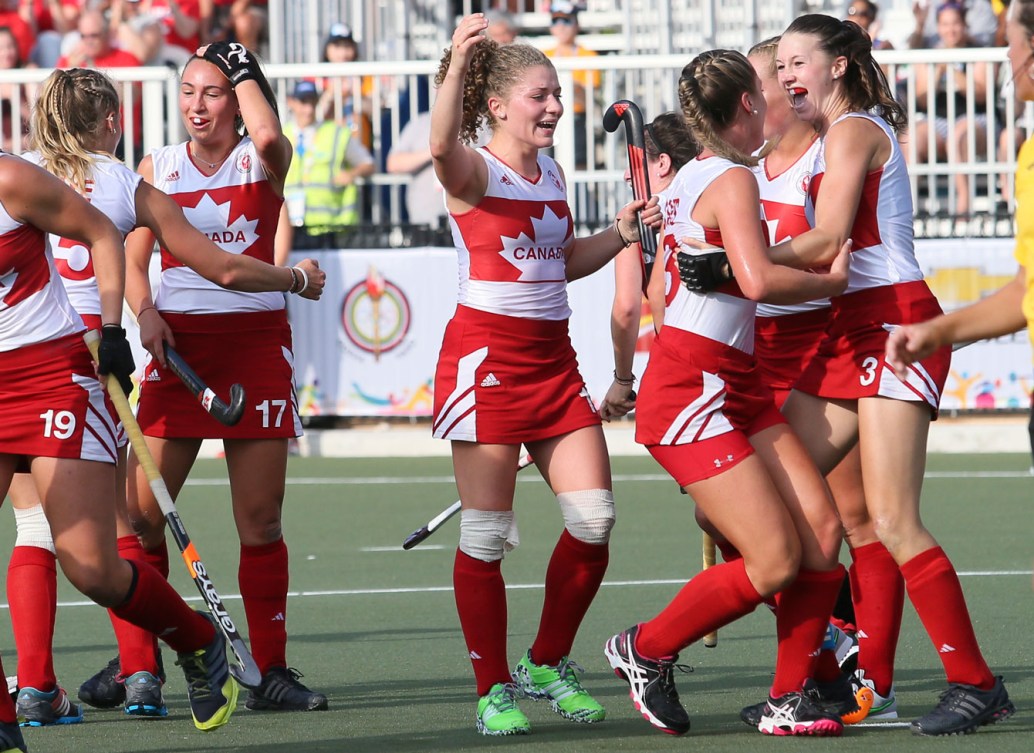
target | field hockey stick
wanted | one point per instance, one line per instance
(438, 520)
(225, 414)
(711, 639)
(246, 671)
(628, 112)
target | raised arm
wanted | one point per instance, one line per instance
(461, 171)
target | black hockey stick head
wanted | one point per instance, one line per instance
(416, 537)
(230, 414)
(628, 113)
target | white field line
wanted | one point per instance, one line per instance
(380, 480)
(509, 587)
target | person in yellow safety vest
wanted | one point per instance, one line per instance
(320, 189)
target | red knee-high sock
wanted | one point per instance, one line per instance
(8, 714)
(481, 602)
(154, 605)
(936, 593)
(137, 648)
(158, 558)
(729, 552)
(573, 577)
(712, 598)
(263, 579)
(878, 592)
(32, 594)
(801, 619)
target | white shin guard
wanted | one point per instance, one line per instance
(487, 535)
(33, 529)
(588, 514)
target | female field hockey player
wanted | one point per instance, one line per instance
(228, 178)
(55, 423)
(507, 373)
(75, 130)
(707, 419)
(669, 146)
(848, 392)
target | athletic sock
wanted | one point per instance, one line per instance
(826, 667)
(712, 598)
(263, 579)
(801, 619)
(8, 714)
(935, 591)
(481, 602)
(137, 648)
(158, 558)
(573, 577)
(878, 591)
(32, 595)
(729, 552)
(154, 605)
(843, 610)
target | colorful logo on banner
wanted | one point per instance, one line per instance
(375, 314)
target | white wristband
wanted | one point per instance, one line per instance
(305, 281)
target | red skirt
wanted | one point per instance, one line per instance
(251, 349)
(52, 405)
(784, 345)
(506, 380)
(849, 363)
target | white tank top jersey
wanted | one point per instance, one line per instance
(784, 210)
(512, 246)
(111, 188)
(236, 208)
(884, 249)
(722, 315)
(32, 308)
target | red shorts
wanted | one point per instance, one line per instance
(783, 346)
(506, 380)
(253, 350)
(849, 363)
(51, 404)
(699, 402)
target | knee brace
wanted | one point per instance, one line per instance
(33, 529)
(588, 514)
(487, 535)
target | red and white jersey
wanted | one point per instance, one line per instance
(111, 188)
(512, 246)
(723, 315)
(236, 208)
(884, 250)
(785, 204)
(33, 309)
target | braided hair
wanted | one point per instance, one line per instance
(69, 117)
(710, 89)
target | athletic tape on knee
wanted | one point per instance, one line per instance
(487, 535)
(33, 529)
(588, 514)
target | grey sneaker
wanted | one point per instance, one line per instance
(40, 709)
(144, 695)
(963, 708)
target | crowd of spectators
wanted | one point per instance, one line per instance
(115, 33)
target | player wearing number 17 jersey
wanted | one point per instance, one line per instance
(230, 187)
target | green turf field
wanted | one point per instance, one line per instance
(375, 627)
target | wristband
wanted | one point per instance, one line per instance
(305, 280)
(617, 229)
(145, 308)
(625, 382)
(295, 280)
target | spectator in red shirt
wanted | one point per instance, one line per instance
(21, 28)
(94, 48)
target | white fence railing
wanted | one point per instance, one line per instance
(964, 176)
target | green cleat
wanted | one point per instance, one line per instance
(560, 686)
(498, 713)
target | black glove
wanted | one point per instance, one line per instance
(703, 273)
(233, 59)
(115, 357)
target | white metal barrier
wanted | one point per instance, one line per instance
(399, 90)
